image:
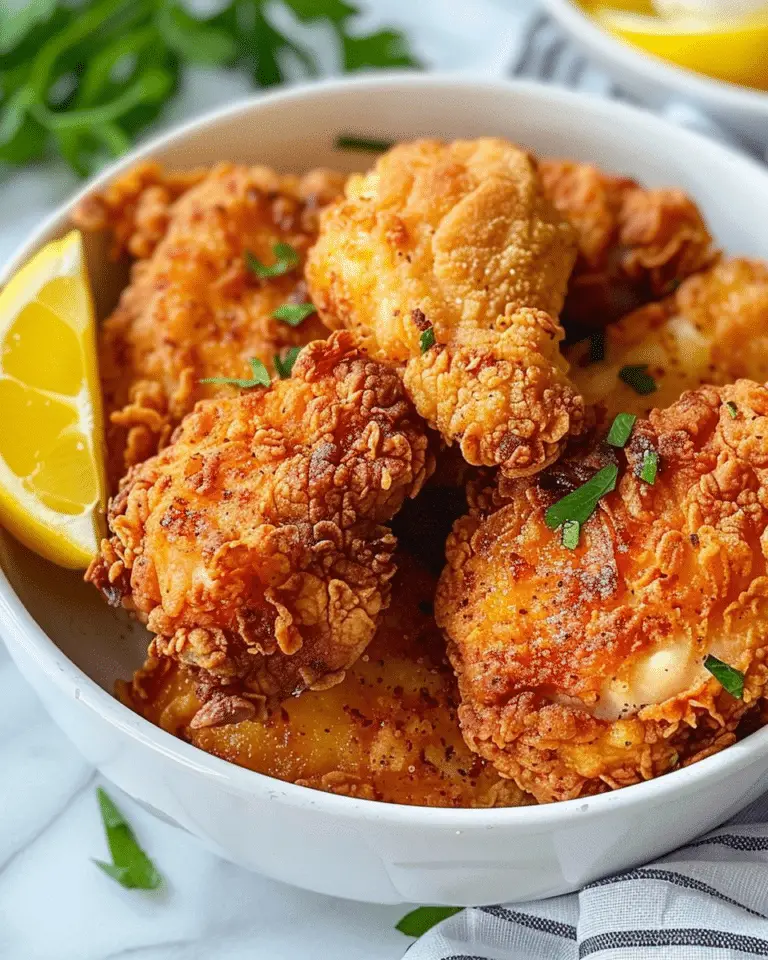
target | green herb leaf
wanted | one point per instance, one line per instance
(284, 365)
(196, 41)
(346, 141)
(650, 466)
(571, 531)
(596, 347)
(621, 428)
(294, 313)
(418, 921)
(130, 866)
(286, 258)
(427, 339)
(387, 47)
(733, 410)
(260, 378)
(580, 504)
(731, 679)
(638, 378)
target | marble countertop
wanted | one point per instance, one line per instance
(54, 903)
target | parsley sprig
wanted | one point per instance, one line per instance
(638, 378)
(260, 378)
(130, 866)
(580, 504)
(286, 258)
(82, 79)
(418, 921)
(284, 364)
(731, 679)
(294, 314)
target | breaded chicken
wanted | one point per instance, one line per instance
(713, 329)
(387, 732)
(194, 309)
(582, 669)
(254, 545)
(447, 260)
(635, 245)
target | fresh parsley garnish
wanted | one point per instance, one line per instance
(731, 679)
(284, 365)
(346, 141)
(638, 378)
(286, 258)
(650, 466)
(621, 429)
(733, 410)
(596, 347)
(294, 313)
(571, 531)
(260, 378)
(83, 79)
(418, 921)
(580, 504)
(130, 866)
(427, 339)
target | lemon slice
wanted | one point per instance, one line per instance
(735, 52)
(52, 487)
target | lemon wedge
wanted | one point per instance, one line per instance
(735, 52)
(52, 486)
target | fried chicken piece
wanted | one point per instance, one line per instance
(387, 732)
(457, 241)
(635, 245)
(136, 208)
(254, 545)
(713, 329)
(582, 670)
(193, 309)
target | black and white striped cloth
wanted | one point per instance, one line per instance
(706, 901)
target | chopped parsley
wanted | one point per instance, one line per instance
(621, 429)
(347, 141)
(571, 531)
(427, 339)
(638, 378)
(294, 313)
(650, 466)
(418, 921)
(596, 347)
(731, 679)
(733, 410)
(130, 866)
(260, 378)
(284, 365)
(286, 258)
(580, 504)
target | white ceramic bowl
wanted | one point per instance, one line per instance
(657, 83)
(72, 647)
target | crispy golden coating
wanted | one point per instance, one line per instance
(193, 309)
(635, 245)
(582, 670)
(253, 545)
(136, 208)
(458, 238)
(388, 731)
(713, 329)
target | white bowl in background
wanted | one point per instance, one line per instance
(656, 82)
(72, 647)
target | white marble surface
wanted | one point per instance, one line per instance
(54, 903)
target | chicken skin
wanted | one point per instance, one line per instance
(713, 329)
(583, 669)
(254, 545)
(194, 309)
(387, 732)
(447, 260)
(635, 245)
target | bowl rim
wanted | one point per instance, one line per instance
(21, 629)
(678, 80)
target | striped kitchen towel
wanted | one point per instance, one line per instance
(705, 901)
